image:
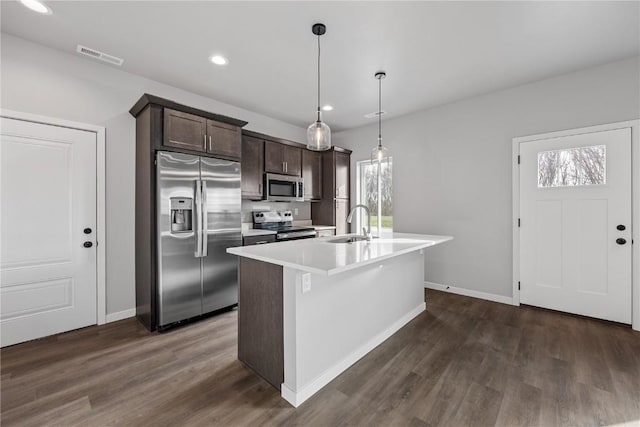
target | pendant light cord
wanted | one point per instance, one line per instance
(318, 78)
(379, 112)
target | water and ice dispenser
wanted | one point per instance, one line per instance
(181, 214)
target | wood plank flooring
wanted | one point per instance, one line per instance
(462, 362)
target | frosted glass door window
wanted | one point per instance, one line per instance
(572, 167)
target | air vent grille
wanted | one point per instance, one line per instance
(96, 54)
(375, 114)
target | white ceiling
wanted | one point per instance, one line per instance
(433, 52)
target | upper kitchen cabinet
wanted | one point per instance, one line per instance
(333, 206)
(184, 130)
(342, 174)
(177, 127)
(252, 167)
(312, 174)
(223, 139)
(282, 158)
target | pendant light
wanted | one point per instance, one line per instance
(380, 153)
(318, 133)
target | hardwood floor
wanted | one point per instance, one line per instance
(462, 362)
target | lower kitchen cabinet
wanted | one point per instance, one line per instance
(258, 240)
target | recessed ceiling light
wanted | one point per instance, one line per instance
(219, 60)
(327, 108)
(37, 6)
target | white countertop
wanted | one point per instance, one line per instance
(255, 232)
(323, 257)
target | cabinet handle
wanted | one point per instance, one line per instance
(282, 166)
(286, 166)
(210, 143)
(204, 142)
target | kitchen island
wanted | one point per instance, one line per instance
(309, 309)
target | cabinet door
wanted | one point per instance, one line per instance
(292, 157)
(252, 167)
(342, 172)
(342, 210)
(273, 161)
(223, 139)
(184, 130)
(312, 174)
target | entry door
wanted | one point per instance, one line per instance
(48, 247)
(575, 234)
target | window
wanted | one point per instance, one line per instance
(572, 167)
(372, 187)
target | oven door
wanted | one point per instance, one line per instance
(281, 188)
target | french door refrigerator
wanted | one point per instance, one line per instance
(198, 219)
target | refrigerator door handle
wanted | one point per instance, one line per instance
(205, 214)
(198, 212)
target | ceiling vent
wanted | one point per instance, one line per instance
(96, 54)
(375, 114)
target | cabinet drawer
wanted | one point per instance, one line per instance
(258, 240)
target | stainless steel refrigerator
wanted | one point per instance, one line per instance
(199, 205)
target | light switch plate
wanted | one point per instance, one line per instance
(306, 283)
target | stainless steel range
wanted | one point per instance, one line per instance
(282, 223)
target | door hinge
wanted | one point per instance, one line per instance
(518, 222)
(518, 158)
(518, 285)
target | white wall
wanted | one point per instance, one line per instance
(452, 164)
(39, 80)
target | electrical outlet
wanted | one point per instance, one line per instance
(306, 283)
(295, 211)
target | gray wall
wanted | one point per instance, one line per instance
(452, 164)
(39, 80)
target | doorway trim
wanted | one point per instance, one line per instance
(100, 131)
(635, 204)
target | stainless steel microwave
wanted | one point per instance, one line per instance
(283, 188)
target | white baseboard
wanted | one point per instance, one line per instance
(469, 293)
(296, 398)
(119, 315)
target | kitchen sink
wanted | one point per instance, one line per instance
(348, 239)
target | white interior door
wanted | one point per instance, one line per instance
(48, 225)
(575, 233)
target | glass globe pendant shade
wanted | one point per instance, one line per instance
(318, 136)
(380, 154)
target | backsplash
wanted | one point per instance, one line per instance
(303, 209)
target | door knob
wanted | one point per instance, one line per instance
(87, 244)
(87, 230)
(621, 227)
(621, 241)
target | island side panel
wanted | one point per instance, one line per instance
(260, 330)
(343, 317)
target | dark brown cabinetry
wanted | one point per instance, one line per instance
(192, 132)
(282, 159)
(223, 139)
(333, 207)
(184, 130)
(258, 240)
(162, 124)
(252, 167)
(312, 174)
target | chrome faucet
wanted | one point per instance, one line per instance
(366, 231)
